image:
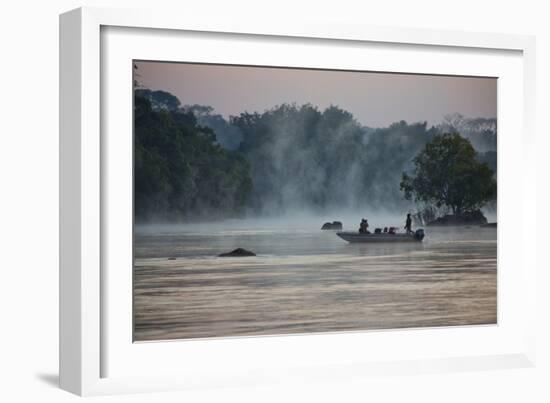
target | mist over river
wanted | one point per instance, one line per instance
(305, 280)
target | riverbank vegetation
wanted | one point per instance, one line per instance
(447, 174)
(191, 163)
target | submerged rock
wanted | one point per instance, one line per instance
(335, 225)
(489, 225)
(239, 252)
(470, 218)
(171, 258)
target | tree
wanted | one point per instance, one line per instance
(160, 100)
(447, 173)
(304, 158)
(180, 170)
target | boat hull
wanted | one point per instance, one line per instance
(356, 237)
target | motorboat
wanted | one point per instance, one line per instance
(354, 237)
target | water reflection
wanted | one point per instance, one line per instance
(307, 281)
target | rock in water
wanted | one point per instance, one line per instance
(475, 217)
(335, 225)
(239, 252)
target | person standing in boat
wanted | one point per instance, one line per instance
(408, 224)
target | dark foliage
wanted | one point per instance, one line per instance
(447, 173)
(304, 158)
(159, 100)
(227, 135)
(191, 162)
(180, 170)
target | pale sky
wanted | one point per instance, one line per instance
(375, 99)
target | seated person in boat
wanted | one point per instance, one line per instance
(363, 227)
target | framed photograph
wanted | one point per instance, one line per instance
(250, 202)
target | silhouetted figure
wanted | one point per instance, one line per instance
(408, 224)
(363, 226)
(385, 230)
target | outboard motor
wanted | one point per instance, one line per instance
(419, 234)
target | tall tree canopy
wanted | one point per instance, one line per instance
(180, 170)
(190, 161)
(447, 173)
(159, 100)
(302, 157)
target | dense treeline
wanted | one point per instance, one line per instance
(227, 135)
(180, 170)
(303, 158)
(192, 162)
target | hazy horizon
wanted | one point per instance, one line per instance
(375, 99)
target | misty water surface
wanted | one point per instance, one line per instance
(306, 280)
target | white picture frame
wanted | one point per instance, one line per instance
(96, 356)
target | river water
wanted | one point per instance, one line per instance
(304, 280)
